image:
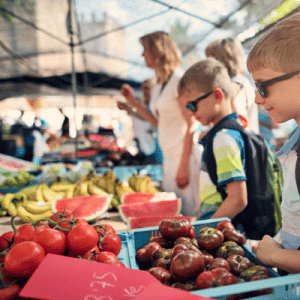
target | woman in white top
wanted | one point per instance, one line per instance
(176, 127)
(230, 52)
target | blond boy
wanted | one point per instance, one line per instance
(274, 63)
(205, 90)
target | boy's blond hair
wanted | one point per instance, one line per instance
(279, 48)
(205, 76)
(164, 48)
(230, 52)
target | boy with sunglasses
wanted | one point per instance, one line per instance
(274, 63)
(205, 89)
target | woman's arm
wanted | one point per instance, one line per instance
(183, 177)
(143, 112)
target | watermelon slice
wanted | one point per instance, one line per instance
(132, 198)
(150, 221)
(87, 207)
(145, 209)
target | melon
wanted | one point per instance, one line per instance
(87, 207)
(137, 197)
(145, 209)
(150, 221)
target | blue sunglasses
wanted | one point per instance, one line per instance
(192, 105)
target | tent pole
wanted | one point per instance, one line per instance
(74, 82)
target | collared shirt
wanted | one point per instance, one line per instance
(228, 148)
(290, 205)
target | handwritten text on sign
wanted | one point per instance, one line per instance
(63, 278)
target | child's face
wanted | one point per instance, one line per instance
(206, 108)
(282, 97)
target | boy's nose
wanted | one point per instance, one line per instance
(258, 98)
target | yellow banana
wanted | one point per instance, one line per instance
(60, 187)
(27, 217)
(141, 184)
(7, 200)
(132, 181)
(150, 187)
(39, 194)
(84, 189)
(48, 194)
(37, 207)
(100, 182)
(94, 190)
(12, 209)
(70, 191)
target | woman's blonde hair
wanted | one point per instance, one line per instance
(166, 52)
(278, 48)
(230, 52)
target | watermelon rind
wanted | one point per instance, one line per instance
(78, 203)
(151, 221)
(158, 208)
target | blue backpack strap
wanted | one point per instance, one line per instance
(297, 169)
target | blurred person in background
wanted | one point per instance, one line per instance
(144, 132)
(230, 52)
(65, 127)
(176, 127)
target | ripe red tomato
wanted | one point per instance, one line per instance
(220, 262)
(52, 240)
(25, 232)
(173, 229)
(6, 239)
(192, 232)
(209, 238)
(163, 275)
(223, 225)
(62, 215)
(105, 256)
(114, 263)
(214, 278)
(80, 221)
(184, 247)
(104, 229)
(234, 235)
(208, 258)
(92, 254)
(81, 239)
(23, 259)
(186, 265)
(111, 242)
(10, 292)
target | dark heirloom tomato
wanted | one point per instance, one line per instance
(234, 235)
(184, 286)
(163, 275)
(214, 278)
(173, 229)
(192, 232)
(219, 262)
(182, 248)
(186, 265)
(253, 271)
(164, 242)
(223, 225)
(162, 258)
(238, 263)
(209, 238)
(143, 255)
(208, 258)
(229, 248)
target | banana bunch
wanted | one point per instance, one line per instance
(142, 183)
(3, 211)
(30, 204)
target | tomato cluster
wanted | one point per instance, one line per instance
(215, 257)
(23, 249)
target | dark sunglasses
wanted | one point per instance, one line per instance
(192, 105)
(261, 86)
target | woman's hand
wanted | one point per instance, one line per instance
(265, 249)
(128, 93)
(122, 105)
(182, 178)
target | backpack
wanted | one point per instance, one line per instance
(264, 175)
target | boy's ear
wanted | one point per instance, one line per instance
(219, 94)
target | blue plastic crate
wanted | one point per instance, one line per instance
(287, 287)
(124, 255)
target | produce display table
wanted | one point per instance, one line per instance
(111, 218)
